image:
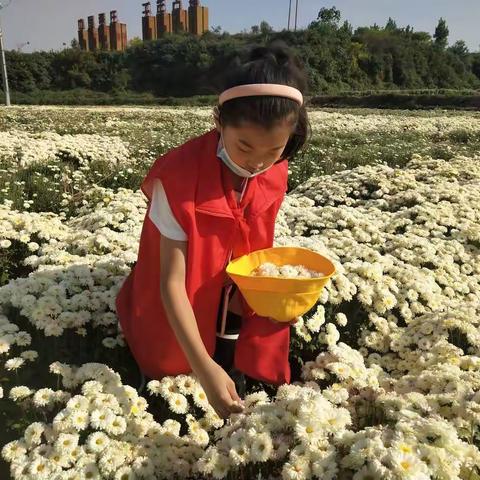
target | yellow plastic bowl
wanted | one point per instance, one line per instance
(282, 299)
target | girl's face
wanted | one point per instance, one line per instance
(254, 147)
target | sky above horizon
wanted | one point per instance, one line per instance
(47, 24)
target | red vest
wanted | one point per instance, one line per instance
(193, 179)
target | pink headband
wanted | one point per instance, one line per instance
(254, 89)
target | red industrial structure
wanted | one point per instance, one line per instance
(114, 36)
(105, 37)
(193, 20)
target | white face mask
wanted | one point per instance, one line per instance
(237, 169)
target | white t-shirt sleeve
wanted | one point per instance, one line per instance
(162, 216)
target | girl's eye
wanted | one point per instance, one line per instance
(244, 151)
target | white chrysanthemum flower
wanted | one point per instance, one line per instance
(317, 319)
(90, 470)
(79, 419)
(116, 425)
(298, 469)
(125, 473)
(200, 398)
(309, 429)
(6, 341)
(256, 398)
(261, 447)
(91, 388)
(143, 467)
(110, 461)
(61, 421)
(79, 454)
(341, 370)
(409, 466)
(186, 384)
(177, 403)
(333, 335)
(60, 368)
(101, 418)
(14, 363)
(40, 468)
(110, 401)
(172, 426)
(14, 450)
(19, 393)
(138, 407)
(336, 395)
(211, 420)
(43, 397)
(167, 386)
(323, 462)
(22, 339)
(269, 269)
(153, 386)
(200, 437)
(239, 454)
(30, 355)
(341, 319)
(288, 271)
(404, 446)
(207, 462)
(109, 342)
(221, 467)
(33, 434)
(60, 460)
(367, 472)
(66, 442)
(337, 419)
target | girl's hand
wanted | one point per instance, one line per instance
(220, 389)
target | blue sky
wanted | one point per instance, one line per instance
(46, 24)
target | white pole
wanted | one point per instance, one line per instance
(296, 14)
(3, 63)
(289, 13)
(4, 70)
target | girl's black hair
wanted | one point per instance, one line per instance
(274, 63)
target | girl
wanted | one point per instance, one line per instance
(212, 199)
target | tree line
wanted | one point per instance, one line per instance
(337, 57)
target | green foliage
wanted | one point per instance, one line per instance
(337, 58)
(441, 34)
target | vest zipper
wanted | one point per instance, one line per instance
(227, 288)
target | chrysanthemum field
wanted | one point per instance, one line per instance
(386, 367)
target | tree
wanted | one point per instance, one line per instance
(255, 29)
(265, 28)
(441, 34)
(329, 16)
(135, 41)
(347, 28)
(391, 25)
(476, 64)
(327, 21)
(460, 49)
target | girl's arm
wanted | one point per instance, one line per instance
(218, 386)
(175, 301)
